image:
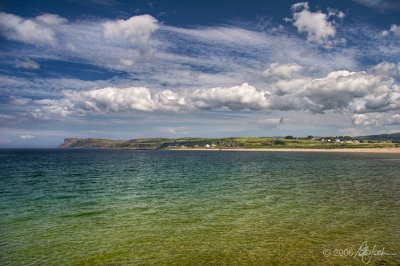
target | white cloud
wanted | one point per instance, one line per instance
(217, 56)
(382, 5)
(282, 70)
(121, 43)
(110, 99)
(336, 13)
(135, 31)
(316, 24)
(375, 119)
(364, 120)
(387, 69)
(394, 119)
(235, 98)
(220, 34)
(44, 87)
(300, 6)
(340, 90)
(26, 136)
(126, 62)
(27, 64)
(50, 20)
(394, 29)
(19, 100)
(4, 117)
(39, 30)
(190, 61)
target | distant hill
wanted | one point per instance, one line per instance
(143, 143)
(108, 143)
(395, 137)
(380, 141)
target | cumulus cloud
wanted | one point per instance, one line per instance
(315, 24)
(394, 119)
(111, 99)
(135, 31)
(285, 71)
(394, 29)
(236, 98)
(27, 64)
(344, 91)
(339, 90)
(39, 30)
(364, 120)
(375, 119)
(387, 69)
(26, 136)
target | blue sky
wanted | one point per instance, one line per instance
(129, 69)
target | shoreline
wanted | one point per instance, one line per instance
(343, 150)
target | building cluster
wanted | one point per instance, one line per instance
(353, 141)
(212, 145)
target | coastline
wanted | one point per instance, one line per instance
(343, 150)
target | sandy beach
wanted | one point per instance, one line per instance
(355, 150)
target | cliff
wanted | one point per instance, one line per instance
(68, 142)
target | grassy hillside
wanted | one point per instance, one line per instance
(224, 143)
(395, 137)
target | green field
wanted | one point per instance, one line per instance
(229, 143)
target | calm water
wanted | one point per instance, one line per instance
(111, 207)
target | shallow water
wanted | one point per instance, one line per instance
(89, 207)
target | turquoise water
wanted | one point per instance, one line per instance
(121, 207)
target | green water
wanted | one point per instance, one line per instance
(110, 207)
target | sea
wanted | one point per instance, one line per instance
(161, 207)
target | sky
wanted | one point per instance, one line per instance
(132, 69)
